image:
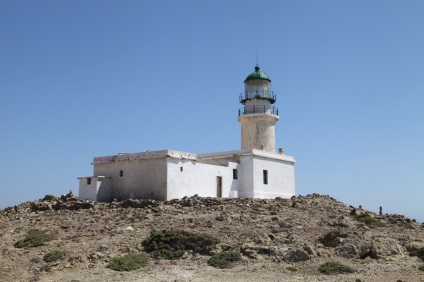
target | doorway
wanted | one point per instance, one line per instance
(219, 186)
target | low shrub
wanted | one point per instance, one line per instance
(171, 244)
(417, 253)
(33, 239)
(413, 253)
(368, 220)
(128, 262)
(332, 267)
(226, 259)
(420, 254)
(421, 267)
(53, 256)
(291, 268)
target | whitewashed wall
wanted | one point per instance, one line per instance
(280, 178)
(198, 178)
(165, 175)
(246, 177)
(88, 191)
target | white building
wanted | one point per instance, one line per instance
(255, 171)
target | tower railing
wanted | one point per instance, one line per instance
(269, 95)
(258, 110)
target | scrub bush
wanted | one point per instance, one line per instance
(171, 244)
(418, 253)
(33, 239)
(334, 267)
(128, 262)
(53, 256)
(368, 220)
(226, 259)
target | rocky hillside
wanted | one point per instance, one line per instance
(279, 240)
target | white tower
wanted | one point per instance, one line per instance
(258, 116)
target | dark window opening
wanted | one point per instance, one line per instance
(121, 173)
(218, 186)
(88, 181)
(235, 173)
(265, 176)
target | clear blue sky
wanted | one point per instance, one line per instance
(80, 79)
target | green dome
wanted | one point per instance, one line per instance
(257, 74)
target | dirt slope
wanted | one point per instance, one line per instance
(302, 232)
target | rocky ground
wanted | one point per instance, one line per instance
(272, 235)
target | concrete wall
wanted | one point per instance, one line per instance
(220, 161)
(198, 178)
(104, 193)
(246, 177)
(280, 178)
(142, 178)
(280, 175)
(99, 190)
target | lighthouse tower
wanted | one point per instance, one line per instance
(258, 116)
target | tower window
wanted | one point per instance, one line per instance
(265, 176)
(235, 173)
(88, 181)
(121, 173)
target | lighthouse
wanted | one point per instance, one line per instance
(258, 116)
(254, 171)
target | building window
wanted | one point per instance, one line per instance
(181, 168)
(88, 181)
(121, 173)
(265, 176)
(235, 173)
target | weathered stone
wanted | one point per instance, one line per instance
(257, 248)
(223, 246)
(96, 256)
(388, 247)
(220, 248)
(296, 255)
(348, 251)
(250, 253)
(333, 238)
(310, 250)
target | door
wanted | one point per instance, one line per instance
(219, 186)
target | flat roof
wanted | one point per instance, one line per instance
(190, 156)
(145, 155)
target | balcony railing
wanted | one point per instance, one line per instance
(270, 95)
(258, 110)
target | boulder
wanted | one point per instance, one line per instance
(333, 238)
(296, 254)
(385, 247)
(348, 251)
(247, 249)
